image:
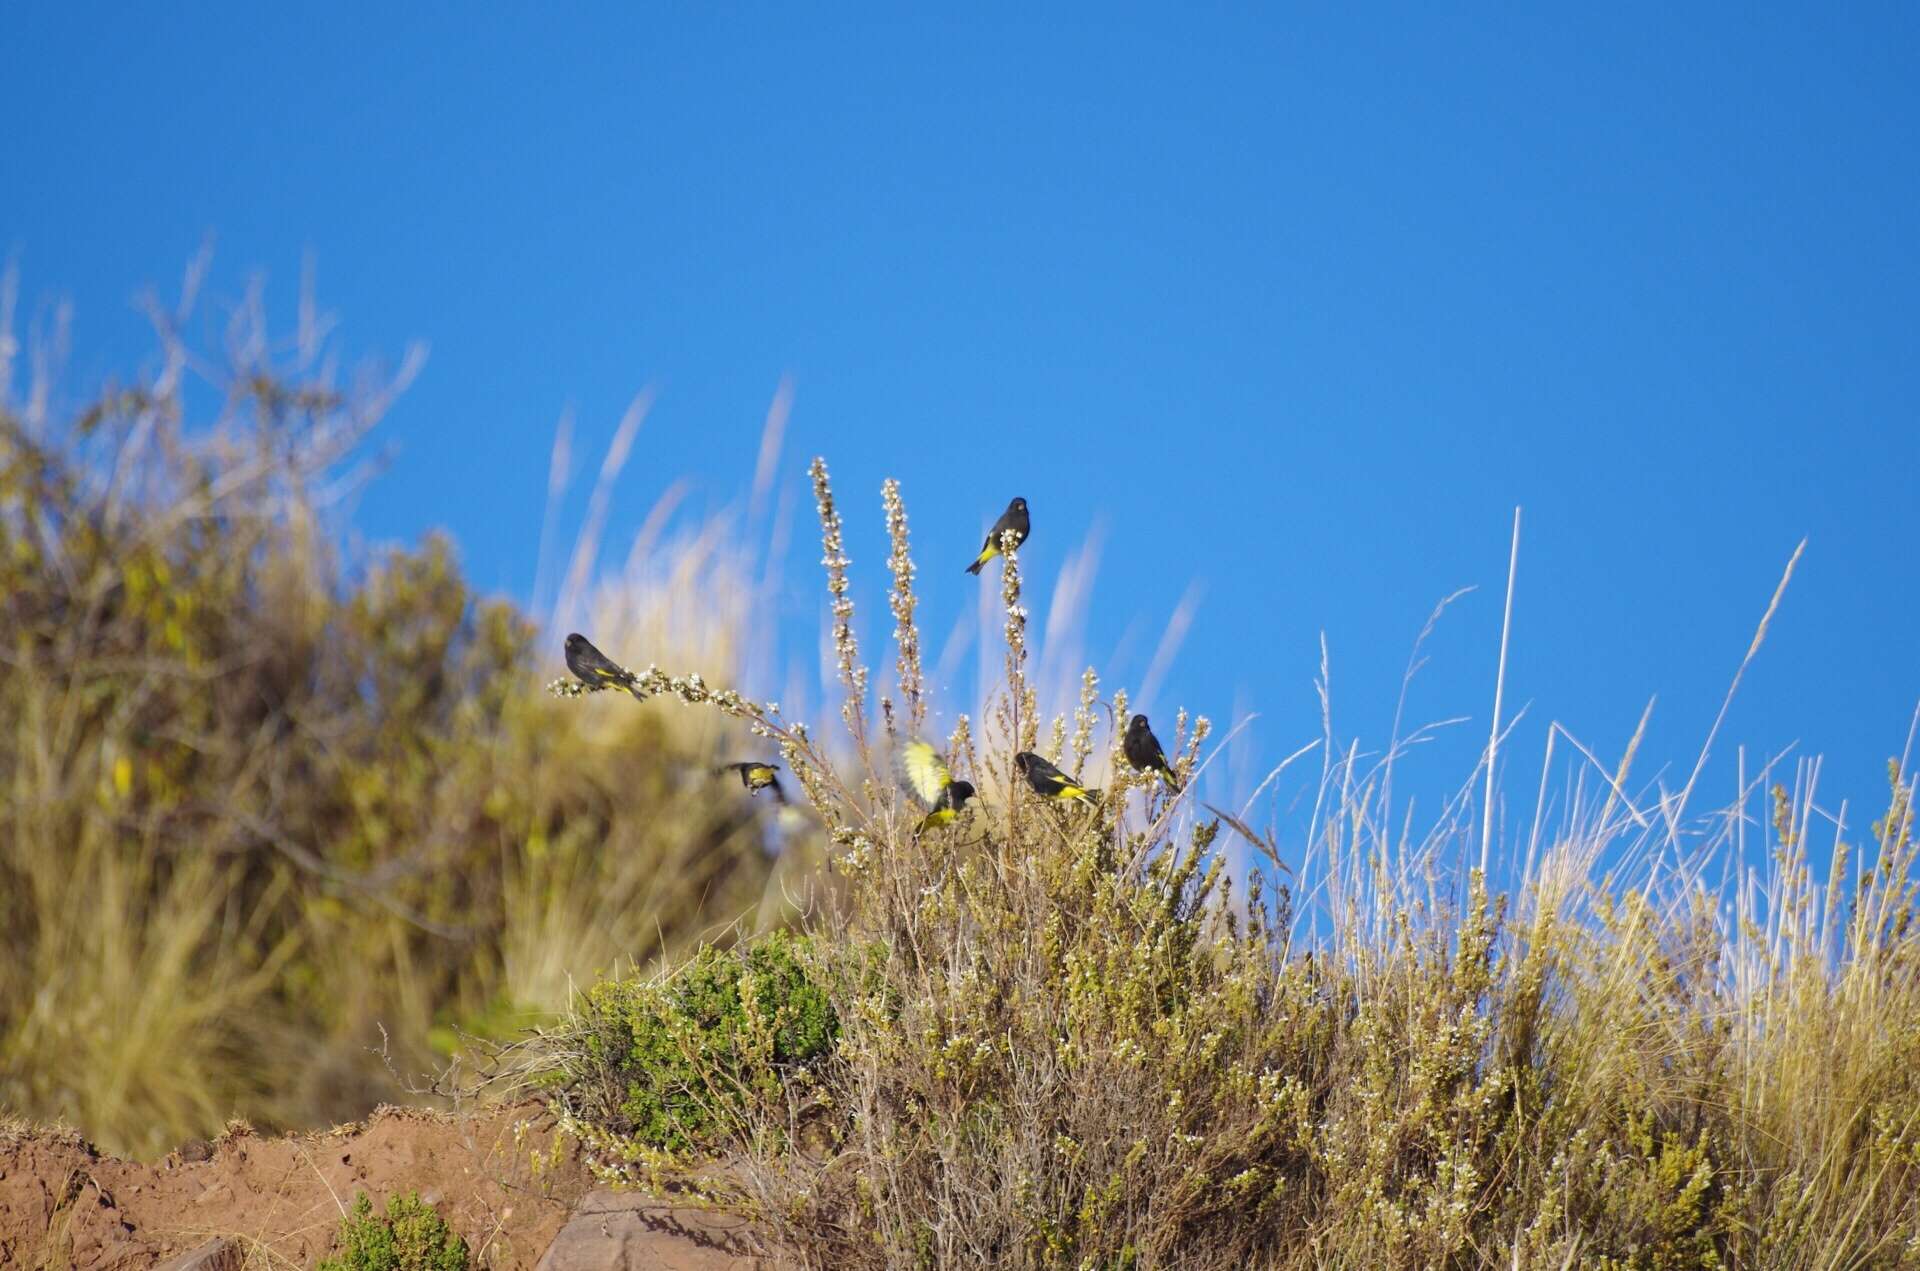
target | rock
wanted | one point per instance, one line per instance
(218, 1254)
(621, 1231)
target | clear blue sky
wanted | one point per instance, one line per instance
(1297, 306)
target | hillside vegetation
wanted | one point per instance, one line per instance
(280, 823)
(269, 810)
(1060, 1035)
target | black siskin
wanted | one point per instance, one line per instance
(756, 776)
(1015, 519)
(1050, 782)
(596, 670)
(933, 781)
(1142, 750)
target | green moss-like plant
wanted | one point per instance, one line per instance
(411, 1236)
(675, 1056)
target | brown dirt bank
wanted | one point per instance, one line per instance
(495, 1174)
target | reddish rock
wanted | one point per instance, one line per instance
(621, 1231)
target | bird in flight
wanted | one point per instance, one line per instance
(933, 781)
(756, 776)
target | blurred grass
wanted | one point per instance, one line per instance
(262, 800)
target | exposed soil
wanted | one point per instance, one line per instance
(496, 1175)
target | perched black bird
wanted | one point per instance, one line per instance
(756, 776)
(1015, 519)
(1142, 750)
(596, 670)
(933, 781)
(1049, 781)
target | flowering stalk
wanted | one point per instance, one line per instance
(806, 764)
(960, 748)
(902, 600)
(1025, 721)
(845, 645)
(1115, 755)
(1083, 721)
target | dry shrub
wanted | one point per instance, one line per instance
(1065, 1038)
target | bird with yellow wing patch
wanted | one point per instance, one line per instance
(933, 781)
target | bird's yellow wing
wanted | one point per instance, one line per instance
(926, 771)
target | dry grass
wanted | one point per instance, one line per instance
(269, 810)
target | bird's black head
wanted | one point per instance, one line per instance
(1018, 505)
(1023, 759)
(576, 642)
(958, 792)
(1138, 724)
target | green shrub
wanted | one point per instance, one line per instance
(675, 1058)
(410, 1236)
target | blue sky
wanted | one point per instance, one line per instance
(1297, 307)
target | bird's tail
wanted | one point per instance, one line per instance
(981, 564)
(1173, 782)
(1086, 795)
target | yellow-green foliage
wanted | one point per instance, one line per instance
(409, 1236)
(261, 801)
(665, 1061)
(1064, 1041)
